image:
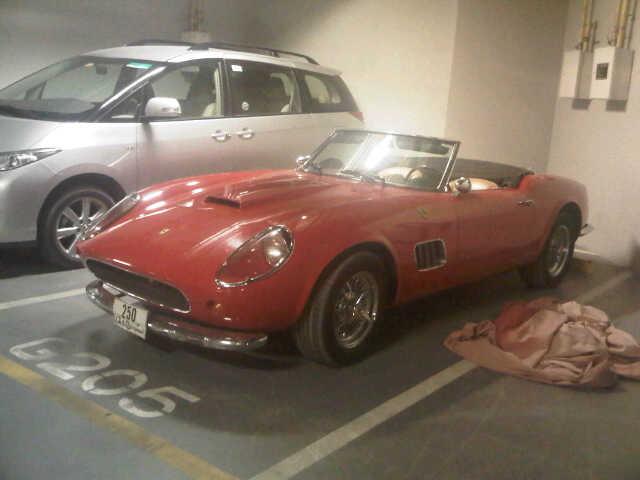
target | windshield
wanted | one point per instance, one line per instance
(402, 160)
(70, 90)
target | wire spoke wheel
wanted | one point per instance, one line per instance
(74, 220)
(559, 250)
(356, 310)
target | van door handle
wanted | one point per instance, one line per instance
(246, 134)
(526, 203)
(221, 136)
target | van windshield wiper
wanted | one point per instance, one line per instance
(369, 177)
(16, 112)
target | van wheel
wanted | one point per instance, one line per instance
(343, 315)
(66, 219)
(554, 261)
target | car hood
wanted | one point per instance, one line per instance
(287, 188)
(23, 133)
(198, 223)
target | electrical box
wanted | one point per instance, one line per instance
(611, 73)
(575, 79)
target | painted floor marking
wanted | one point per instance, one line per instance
(194, 466)
(191, 465)
(41, 299)
(339, 438)
(603, 288)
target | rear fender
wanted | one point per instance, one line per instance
(553, 194)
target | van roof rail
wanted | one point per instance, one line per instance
(159, 42)
(225, 46)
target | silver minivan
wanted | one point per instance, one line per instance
(80, 134)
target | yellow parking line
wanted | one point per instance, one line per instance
(192, 465)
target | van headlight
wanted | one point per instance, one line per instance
(120, 209)
(13, 160)
(257, 258)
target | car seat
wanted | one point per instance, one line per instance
(276, 95)
(201, 95)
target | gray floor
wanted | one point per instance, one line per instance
(257, 410)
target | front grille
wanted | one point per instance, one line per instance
(150, 290)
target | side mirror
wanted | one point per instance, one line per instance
(301, 160)
(462, 185)
(162, 107)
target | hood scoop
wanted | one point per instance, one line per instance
(227, 202)
(262, 190)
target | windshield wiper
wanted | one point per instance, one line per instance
(369, 177)
(16, 112)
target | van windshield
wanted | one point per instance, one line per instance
(72, 89)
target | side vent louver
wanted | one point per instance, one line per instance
(222, 201)
(431, 254)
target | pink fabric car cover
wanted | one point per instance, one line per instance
(544, 341)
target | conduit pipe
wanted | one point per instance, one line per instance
(587, 25)
(621, 24)
(628, 24)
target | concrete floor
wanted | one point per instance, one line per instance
(255, 411)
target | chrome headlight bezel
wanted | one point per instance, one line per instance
(19, 158)
(116, 212)
(274, 230)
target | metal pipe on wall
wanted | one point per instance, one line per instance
(622, 23)
(629, 21)
(592, 35)
(587, 13)
(196, 15)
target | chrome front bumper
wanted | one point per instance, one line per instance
(179, 330)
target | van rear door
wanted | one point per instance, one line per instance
(329, 101)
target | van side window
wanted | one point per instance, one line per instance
(197, 87)
(262, 89)
(327, 93)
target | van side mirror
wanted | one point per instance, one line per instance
(462, 185)
(162, 107)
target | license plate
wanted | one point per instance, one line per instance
(130, 317)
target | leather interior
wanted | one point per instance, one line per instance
(476, 184)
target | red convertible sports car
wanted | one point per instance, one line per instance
(369, 220)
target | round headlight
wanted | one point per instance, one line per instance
(114, 213)
(257, 258)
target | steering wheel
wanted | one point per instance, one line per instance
(409, 178)
(330, 163)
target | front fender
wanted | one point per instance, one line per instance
(317, 248)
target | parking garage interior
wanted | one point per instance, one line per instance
(82, 398)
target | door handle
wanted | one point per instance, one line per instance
(526, 203)
(246, 134)
(221, 136)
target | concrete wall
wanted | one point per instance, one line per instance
(484, 72)
(35, 33)
(598, 144)
(505, 76)
(396, 56)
